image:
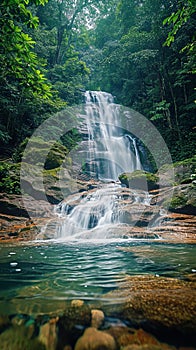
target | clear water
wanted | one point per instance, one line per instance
(41, 276)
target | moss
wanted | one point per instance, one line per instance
(184, 171)
(139, 179)
(178, 201)
(53, 152)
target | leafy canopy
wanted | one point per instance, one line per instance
(16, 46)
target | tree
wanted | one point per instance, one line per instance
(16, 47)
(67, 16)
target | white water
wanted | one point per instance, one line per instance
(111, 150)
(96, 214)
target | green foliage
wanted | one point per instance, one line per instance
(17, 57)
(9, 178)
(143, 74)
(177, 201)
(115, 46)
(179, 18)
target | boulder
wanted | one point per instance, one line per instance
(183, 199)
(15, 338)
(139, 179)
(76, 317)
(48, 334)
(37, 148)
(93, 339)
(184, 172)
(167, 304)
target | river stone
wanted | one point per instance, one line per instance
(93, 339)
(97, 318)
(4, 322)
(129, 338)
(77, 303)
(149, 347)
(14, 338)
(48, 334)
(72, 323)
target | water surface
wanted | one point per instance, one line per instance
(37, 276)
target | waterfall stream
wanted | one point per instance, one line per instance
(111, 150)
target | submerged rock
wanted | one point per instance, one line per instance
(4, 322)
(93, 339)
(48, 334)
(15, 338)
(76, 317)
(164, 303)
(129, 338)
(97, 318)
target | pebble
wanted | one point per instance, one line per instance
(48, 335)
(97, 318)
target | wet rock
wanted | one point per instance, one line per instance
(140, 179)
(125, 336)
(93, 339)
(4, 322)
(48, 334)
(179, 172)
(149, 347)
(183, 200)
(165, 303)
(97, 318)
(77, 303)
(72, 323)
(15, 339)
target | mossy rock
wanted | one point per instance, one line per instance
(139, 179)
(183, 200)
(184, 172)
(53, 152)
(76, 317)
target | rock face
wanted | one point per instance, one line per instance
(143, 216)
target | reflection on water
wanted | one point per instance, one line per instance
(43, 272)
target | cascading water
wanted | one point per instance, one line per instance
(111, 151)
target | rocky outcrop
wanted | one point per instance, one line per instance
(166, 212)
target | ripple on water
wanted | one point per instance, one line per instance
(53, 271)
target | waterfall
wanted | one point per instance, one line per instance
(111, 150)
